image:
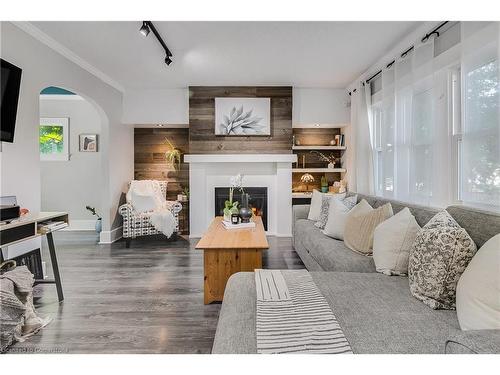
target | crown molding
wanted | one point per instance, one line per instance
(50, 42)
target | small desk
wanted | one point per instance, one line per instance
(26, 228)
(227, 251)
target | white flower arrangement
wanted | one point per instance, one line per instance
(231, 207)
(236, 181)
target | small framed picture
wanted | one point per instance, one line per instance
(53, 138)
(88, 142)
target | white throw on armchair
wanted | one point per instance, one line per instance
(137, 224)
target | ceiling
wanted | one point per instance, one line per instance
(302, 54)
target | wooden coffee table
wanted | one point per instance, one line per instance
(227, 251)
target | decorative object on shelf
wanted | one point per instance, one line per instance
(98, 223)
(338, 187)
(337, 140)
(88, 143)
(245, 212)
(231, 207)
(173, 156)
(333, 142)
(330, 159)
(293, 140)
(307, 179)
(183, 197)
(324, 184)
(242, 116)
(303, 161)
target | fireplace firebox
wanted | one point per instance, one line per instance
(257, 201)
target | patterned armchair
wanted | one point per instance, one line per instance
(137, 224)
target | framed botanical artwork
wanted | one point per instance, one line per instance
(53, 138)
(242, 116)
(88, 142)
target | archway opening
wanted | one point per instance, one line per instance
(71, 158)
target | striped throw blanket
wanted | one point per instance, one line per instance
(293, 316)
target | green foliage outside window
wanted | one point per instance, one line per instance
(51, 139)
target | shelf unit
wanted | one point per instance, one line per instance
(301, 195)
(332, 148)
(315, 137)
(318, 170)
(319, 126)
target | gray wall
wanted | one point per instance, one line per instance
(71, 185)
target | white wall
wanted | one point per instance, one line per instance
(169, 106)
(320, 106)
(20, 164)
(71, 185)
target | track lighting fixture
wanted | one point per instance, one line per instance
(148, 26)
(144, 30)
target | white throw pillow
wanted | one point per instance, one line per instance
(478, 289)
(317, 202)
(143, 202)
(392, 242)
(337, 217)
(315, 207)
(325, 206)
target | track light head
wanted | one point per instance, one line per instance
(144, 30)
(168, 60)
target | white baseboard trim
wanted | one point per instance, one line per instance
(110, 236)
(80, 225)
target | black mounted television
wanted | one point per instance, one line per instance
(10, 76)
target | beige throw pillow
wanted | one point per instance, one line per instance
(361, 224)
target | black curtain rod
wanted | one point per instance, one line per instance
(433, 31)
(403, 54)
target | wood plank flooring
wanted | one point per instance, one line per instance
(145, 299)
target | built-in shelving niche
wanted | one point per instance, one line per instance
(316, 138)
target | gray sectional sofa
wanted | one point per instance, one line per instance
(376, 312)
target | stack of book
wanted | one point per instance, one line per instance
(51, 226)
(340, 140)
(229, 225)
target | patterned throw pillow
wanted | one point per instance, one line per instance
(441, 252)
(349, 202)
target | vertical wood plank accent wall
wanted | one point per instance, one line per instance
(202, 138)
(149, 157)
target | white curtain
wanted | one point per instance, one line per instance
(360, 161)
(432, 143)
(411, 134)
(480, 130)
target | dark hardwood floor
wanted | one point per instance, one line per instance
(145, 299)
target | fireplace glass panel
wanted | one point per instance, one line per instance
(257, 201)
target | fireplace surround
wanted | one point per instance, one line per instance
(271, 171)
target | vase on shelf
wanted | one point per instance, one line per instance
(331, 165)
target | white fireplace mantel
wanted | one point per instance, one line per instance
(273, 171)
(240, 158)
